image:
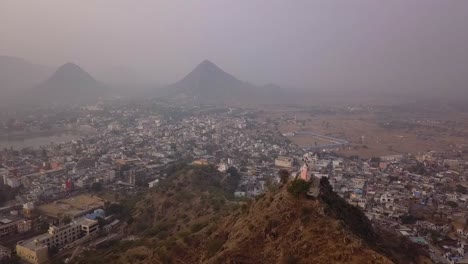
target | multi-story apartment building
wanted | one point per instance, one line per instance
(286, 162)
(35, 250)
(13, 224)
(5, 253)
(7, 227)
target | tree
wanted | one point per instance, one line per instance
(283, 175)
(233, 180)
(96, 187)
(452, 204)
(393, 178)
(13, 260)
(53, 250)
(101, 222)
(233, 171)
(66, 219)
(173, 146)
(44, 153)
(461, 189)
(408, 219)
(418, 168)
(7, 193)
(298, 187)
(113, 208)
(44, 227)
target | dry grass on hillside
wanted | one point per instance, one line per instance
(191, 220)
(281, 229)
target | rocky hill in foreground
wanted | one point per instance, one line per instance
(192, 217)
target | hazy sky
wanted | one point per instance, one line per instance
(303, 43)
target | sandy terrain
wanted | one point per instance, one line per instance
(370, 138)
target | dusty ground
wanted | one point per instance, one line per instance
(71, 206)
(306, 140)
(369, 137)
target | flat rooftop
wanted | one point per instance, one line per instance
(31, 243)
(73, 206)
(6, 219)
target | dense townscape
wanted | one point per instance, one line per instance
(237, 132)
(50, 193)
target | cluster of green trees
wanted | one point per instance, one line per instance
(452, 204)
(13, 260)
(350, 215)
(124, 209)
(233, 179)
(7, 193)
(461, 189)
(160, 230)
(299, 187)
(214, 246)
(96, 187)
(409, 219)
(284, 176)
(418, 168)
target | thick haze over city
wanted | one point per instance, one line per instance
(312, 45)
(234, 131)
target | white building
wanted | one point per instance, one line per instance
(153, 183)
(286, 162)
(13, 182)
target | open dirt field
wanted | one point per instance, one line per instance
(72, 206)
(371, 135)
(308, 140)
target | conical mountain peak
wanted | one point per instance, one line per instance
(70, 68)
(72, 73)
(208, 82)
(207, 79)
(70, 83)
(207, 63)
(208, 67)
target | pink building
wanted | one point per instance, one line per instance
(305, 172)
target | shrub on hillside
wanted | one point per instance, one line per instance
(214, 246)
(298, 187)
(197, 227)
(290, 259)
(351, 215)
(283, 175)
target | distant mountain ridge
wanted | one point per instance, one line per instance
(208, 82)
(69, 84)
(23, 83)
(30, 84)
(18, 75)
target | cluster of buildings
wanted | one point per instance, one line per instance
(130, 151)
(12, 223)
(36, 250)
(423, 197)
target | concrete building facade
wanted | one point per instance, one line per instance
(35, 250)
